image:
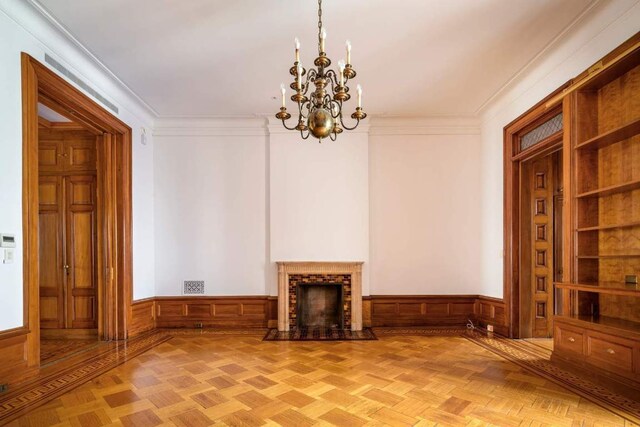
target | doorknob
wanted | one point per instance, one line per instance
(66, 268)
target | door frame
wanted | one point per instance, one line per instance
(114, 168)
(512, 159)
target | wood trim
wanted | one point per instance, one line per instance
(10, 333)
(185, 311)
(438, 310)
(30, 209)
(600, 70)
(511, 204)
(142, 316)
(40, 83)
(492, 311)
(212, 311)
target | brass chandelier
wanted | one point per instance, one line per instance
(321, 113)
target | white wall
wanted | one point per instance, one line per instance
(24, 30)
(211, 210)
(319, 198)
(603, 29)
(425, 200)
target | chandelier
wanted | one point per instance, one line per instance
(320, 112)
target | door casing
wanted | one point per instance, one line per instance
(513, 159)
(114, 222)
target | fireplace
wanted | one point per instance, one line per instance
(319, 305)
(320, 294)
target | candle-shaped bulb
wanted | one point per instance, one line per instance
(348, 44)
(341, 65)
(299, 75)
(359, 90)
(283, 90)
(323, 37)
(297, 50)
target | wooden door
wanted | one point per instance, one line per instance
(67, 230)
(51, 252)
(80, 268)
(542, 183)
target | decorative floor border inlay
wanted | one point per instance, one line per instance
(320, 334)
(536, 359)
(37, 392)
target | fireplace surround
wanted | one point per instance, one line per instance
(292, 275)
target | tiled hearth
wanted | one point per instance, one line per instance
(349, 274)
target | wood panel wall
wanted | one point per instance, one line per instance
(435, 310)
(143, 316)
(262, 312)
(14, 356)
(492, 311)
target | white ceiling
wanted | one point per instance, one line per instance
(228, 58)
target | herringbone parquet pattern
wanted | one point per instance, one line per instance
(244, 381)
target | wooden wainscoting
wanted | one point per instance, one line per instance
(434, 310)
(207, 312)
(421, 310)
(143, 316)
(492, 311)
(262, 311)
(13, 354)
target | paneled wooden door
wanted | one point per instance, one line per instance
(546, 212)
(67, 231)
(80, 267)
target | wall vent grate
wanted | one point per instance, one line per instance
(193, 287)
(58, 66)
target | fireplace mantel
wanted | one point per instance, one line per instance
(286, 268)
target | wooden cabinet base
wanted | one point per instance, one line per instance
(610, 357)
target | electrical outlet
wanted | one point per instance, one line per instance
(490, 328)
(4, 388)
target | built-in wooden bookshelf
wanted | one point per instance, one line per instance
(598, 329)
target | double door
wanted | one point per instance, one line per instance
(67, 231)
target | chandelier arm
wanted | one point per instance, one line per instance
(347, 127)
(287, 127)
(301, 106)
(303, 136)
(333, 136)
(333, 78)
(310, 77)
(338, 109)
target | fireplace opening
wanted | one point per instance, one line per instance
(320, 305)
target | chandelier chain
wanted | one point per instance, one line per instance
(319, 23)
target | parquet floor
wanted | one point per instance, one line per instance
(243, 381)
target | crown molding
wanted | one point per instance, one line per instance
(444, 125)
(261, 126)
(52, 35)
(210, 126)
(522, 74)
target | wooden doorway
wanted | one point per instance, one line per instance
(534, 173)
(112, 203)
(67, 229)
